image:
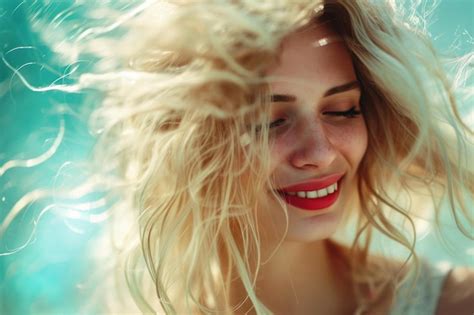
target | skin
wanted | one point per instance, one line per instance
(309, 144)
(305, 273)
(458, 293)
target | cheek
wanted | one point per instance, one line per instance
(280, 148)
(349, 140)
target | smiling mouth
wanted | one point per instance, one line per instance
(312, 200)
(313, 194)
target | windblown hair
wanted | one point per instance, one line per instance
(184, 93)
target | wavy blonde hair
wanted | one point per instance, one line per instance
(184, 91)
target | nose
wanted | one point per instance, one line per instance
(314, 150)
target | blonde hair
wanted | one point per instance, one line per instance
(184, 92)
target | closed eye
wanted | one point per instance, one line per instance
(277, 123)
(350, 113)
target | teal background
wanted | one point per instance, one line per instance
(45, 277)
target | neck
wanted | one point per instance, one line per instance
(303, 278)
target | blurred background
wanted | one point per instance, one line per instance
(41, 253)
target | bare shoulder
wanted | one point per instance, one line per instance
(457, 296)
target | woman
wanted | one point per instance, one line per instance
(246, 135)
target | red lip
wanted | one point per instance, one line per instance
(313, 184)
(313, 204)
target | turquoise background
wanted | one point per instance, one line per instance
(43, 278)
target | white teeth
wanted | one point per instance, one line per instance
(322, 192)
(311, 194)
(315, 193)
(331, 189)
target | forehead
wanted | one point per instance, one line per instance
(303, 58)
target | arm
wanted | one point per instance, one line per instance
(457, 296)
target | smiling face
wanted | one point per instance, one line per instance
(317, 133)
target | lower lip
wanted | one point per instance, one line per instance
(312, 204)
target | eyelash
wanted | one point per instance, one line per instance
(277, 123)
(350, 113)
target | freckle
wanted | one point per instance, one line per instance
(283, 145)
(353, 135)
(348, 134)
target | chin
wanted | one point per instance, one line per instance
(314, 227)
(303, 226)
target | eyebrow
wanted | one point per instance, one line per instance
(334, 90)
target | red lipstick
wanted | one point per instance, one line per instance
(312, 204)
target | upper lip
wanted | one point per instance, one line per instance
(314, 184)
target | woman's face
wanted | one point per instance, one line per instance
(317, 133)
